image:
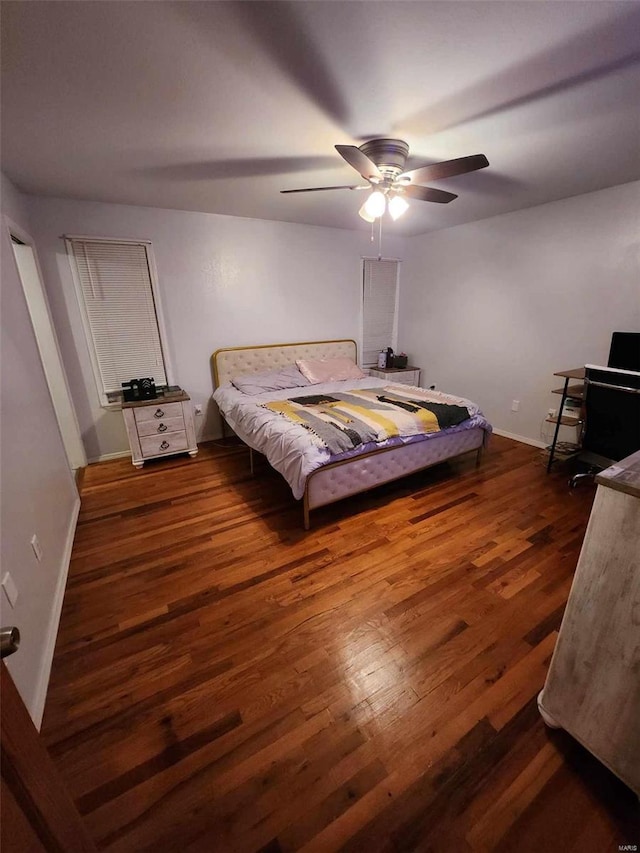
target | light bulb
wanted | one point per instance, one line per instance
(364, 214)
(397, 206)
(375, 204)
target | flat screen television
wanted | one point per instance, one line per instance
(625, 351)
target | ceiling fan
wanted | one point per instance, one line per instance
(381, 163)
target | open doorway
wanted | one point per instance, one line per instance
(38, 306)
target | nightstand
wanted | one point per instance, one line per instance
(160, 427)
(404, 375)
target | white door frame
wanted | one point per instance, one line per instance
(30, 275)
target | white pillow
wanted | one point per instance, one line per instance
(270, 380)
(329, 369)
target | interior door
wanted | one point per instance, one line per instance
(38, 813)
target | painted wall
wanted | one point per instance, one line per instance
(38, 490)
(491, 309)
(224, 281)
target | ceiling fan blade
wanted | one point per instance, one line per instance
(446, 169)
(324, 189)
(428, 194)
(360, 162)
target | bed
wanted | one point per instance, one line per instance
(317, 474)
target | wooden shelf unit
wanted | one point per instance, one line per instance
(553, 419)
(565, 450)
(567, 392)
(574, 392)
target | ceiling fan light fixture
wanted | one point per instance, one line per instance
(362, 213)
(375, 205)
(397, 206)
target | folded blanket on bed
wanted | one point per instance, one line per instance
(341, 421)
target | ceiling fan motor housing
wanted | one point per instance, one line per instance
(389, 155)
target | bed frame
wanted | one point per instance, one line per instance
(339, 480)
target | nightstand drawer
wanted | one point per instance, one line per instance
(410, 378)
(171, 442)
(155, 427)
(157, 413)
(401, 375)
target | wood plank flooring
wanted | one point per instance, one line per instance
(225, 681)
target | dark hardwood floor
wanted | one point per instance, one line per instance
(225, 681)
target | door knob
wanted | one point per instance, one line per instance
(9, 641)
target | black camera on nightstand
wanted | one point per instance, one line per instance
(139, 389)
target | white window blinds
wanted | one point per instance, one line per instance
(114, 286)
(379, 302)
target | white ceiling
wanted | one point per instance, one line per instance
(216, 106)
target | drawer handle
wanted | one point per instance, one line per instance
(164, 445)
(158, 413)
(162, 428)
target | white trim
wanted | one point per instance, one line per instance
(396, 309)
(360, 338)
(376, 258)
(105, 457)
(394, 333)
(162, 326)
(86, 325)
(106, 239)
(51, 358)
(524, 439)
(19, 232)
(40, 695)
(209, 437)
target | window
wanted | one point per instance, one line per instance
(379, 308)
(114, 282)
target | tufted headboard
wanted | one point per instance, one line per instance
(233, 361)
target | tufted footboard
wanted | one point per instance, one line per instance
(359, 474)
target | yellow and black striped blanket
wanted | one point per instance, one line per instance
(343, 420)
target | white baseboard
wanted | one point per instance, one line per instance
(37, 710)
(105, 457)
(524, 439)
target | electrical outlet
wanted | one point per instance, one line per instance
(37, 550)
(197, 409)
(515, 405)
(10, 589)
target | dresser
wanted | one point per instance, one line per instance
(404, 375)
(160, 427)
(593, 686)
